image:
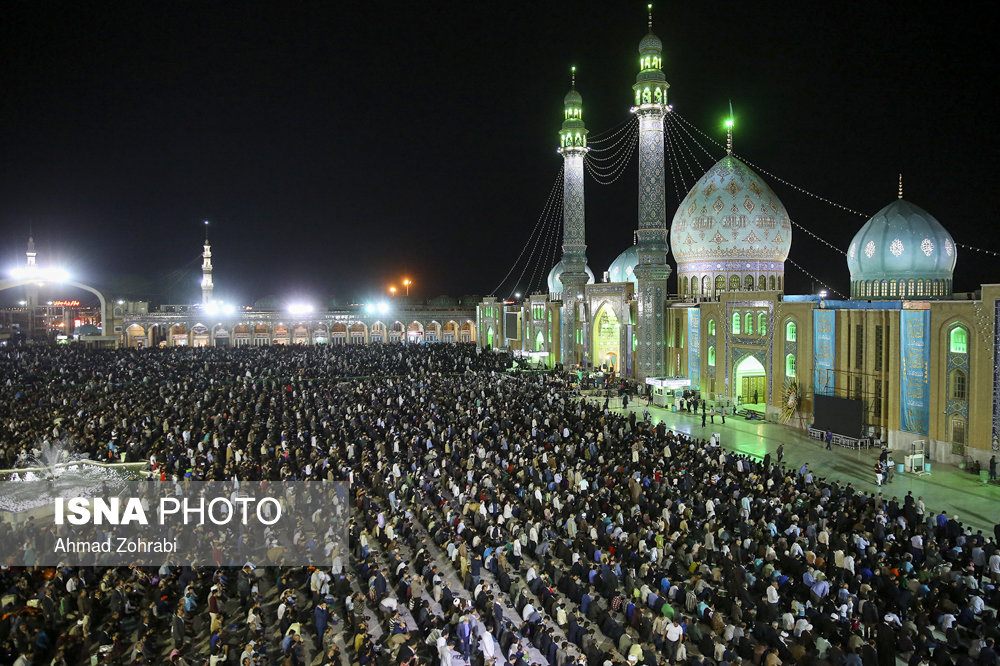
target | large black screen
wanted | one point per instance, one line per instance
(510, 326)
(839, 415)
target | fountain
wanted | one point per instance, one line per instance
(55, 470)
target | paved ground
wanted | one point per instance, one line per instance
(947, 487)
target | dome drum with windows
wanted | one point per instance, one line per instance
(902, 252)
(731, 233)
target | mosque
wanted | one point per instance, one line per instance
(920, 360)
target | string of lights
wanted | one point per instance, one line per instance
(684, 144)
(607, 135)
(712, 158)
(611, 151)
(681, 147)
(815, 279)
(674, 166)
(550, 256)
(978, 249)
(771, 175)
(828, 244)
(556, 187)
(533, 259)
(610, 175)
(552, 228)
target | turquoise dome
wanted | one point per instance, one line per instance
(902, 242)
(573, 97)
(555, 286)
(622, 269)
(730, 215)
(650, 44)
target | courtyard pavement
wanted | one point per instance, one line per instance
(947, 487)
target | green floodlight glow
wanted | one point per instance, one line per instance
(729, 123)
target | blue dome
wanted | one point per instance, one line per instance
(902, 242)
(622, 269)
(650, 44)
(730, 215)
(555, 286)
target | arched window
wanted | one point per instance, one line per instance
(761, 323)
(684, 285)
(706, 286)
(711, 356)
(790, 365)
(736, 322)
(748, 323)
(770, 282)
(958, 340)
(734, 283)
(762, 283)
(959, 385)
(920, 288)
(711, 327)
(720, 284)
(779, 283)
(911, 287)
(748, 283)
(790, 332)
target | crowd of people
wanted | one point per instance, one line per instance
(497, 519)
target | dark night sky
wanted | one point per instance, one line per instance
(335, 146)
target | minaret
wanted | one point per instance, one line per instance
(206, 270)
(31, 253)
(652, 271)
(573, 147)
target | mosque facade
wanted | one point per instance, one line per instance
(920, 358)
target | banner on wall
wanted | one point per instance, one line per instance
(995, 444)
(824, 329)
(915, 361)
(694, 347)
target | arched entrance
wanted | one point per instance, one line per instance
(338, 334)
(489, 337)
(468, 332)
(451, 331)
(358, 333)
(415, 332)
(300, 334)
(750, 383)
(135, 336)
(607, 338)
(178, 335)
(220, 336)
(241, 335)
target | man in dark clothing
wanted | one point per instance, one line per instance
(885, 642)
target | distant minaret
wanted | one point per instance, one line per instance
(206, 270)
(573, 147)
(652, 271)
(31, 253)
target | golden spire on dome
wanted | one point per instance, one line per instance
(900, 186)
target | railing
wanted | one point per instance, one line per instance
(140, 467)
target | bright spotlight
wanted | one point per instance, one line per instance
(211, 308)
(229, 309)
(822, 293)
(369, 308)
(299, 308)
(41, 274)
(383, 308)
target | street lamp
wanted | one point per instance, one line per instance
(406, 283)
(392, 290)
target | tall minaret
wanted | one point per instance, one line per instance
(206, 270)
(652, 271)
(573, 146)
(31, 253)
